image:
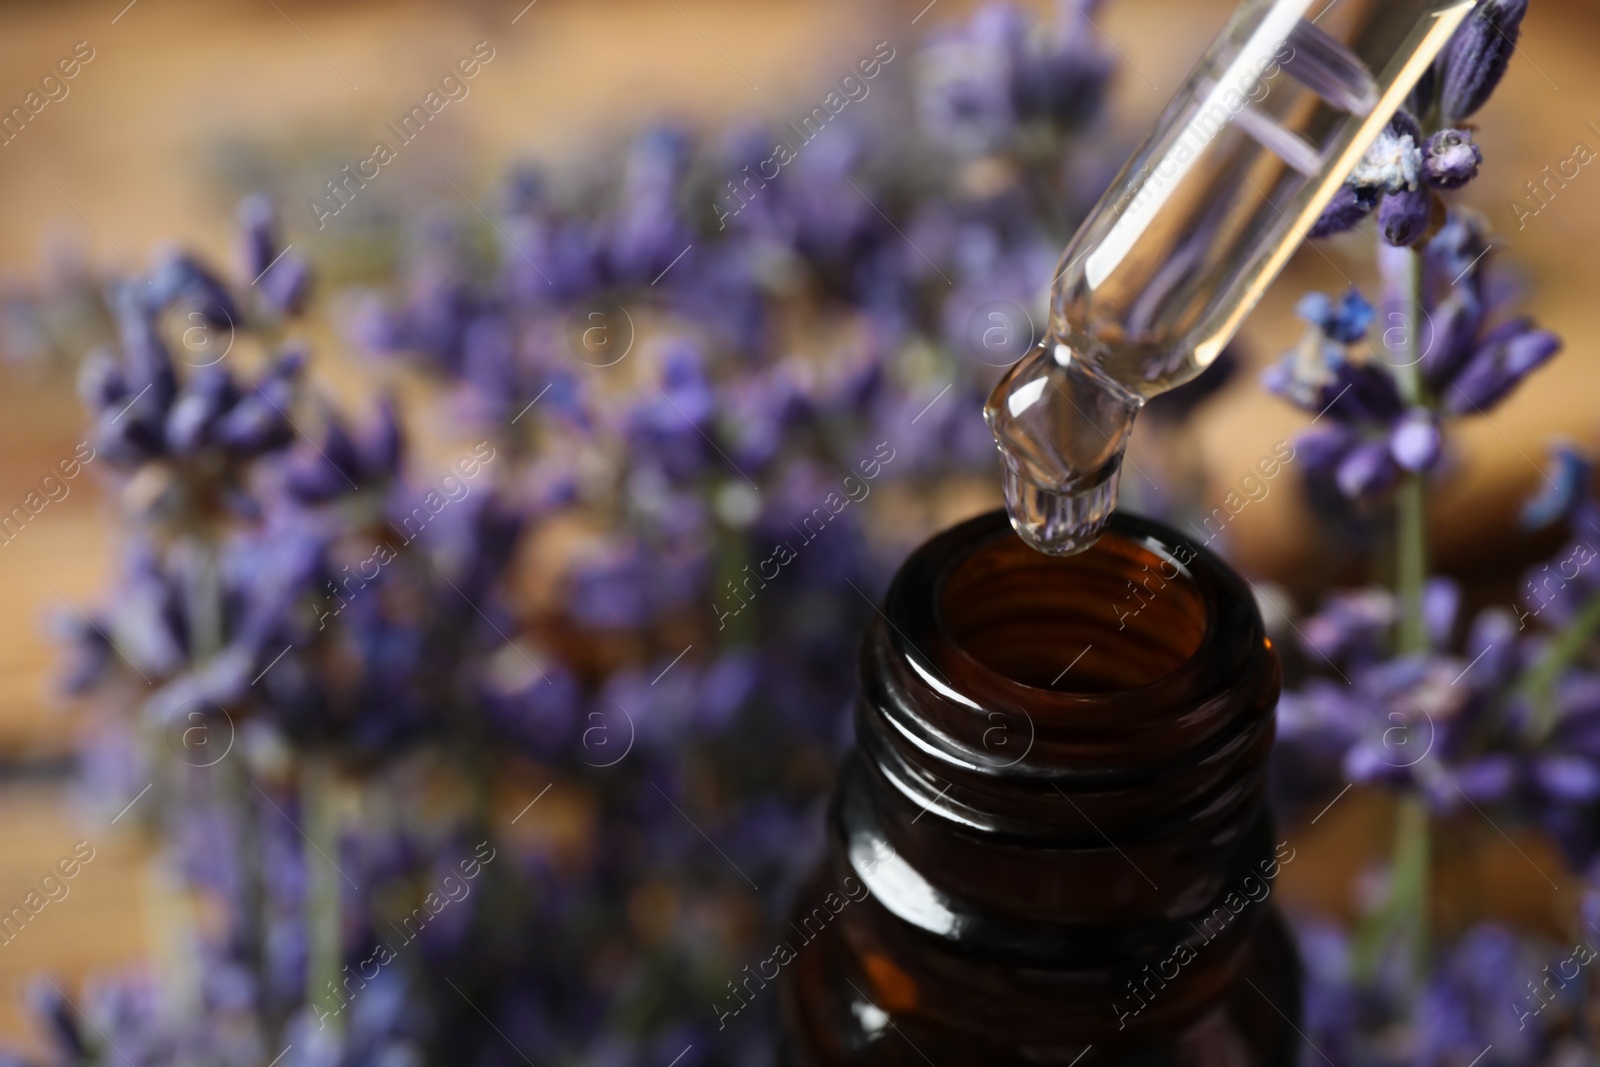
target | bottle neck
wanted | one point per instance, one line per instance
(1051, 745)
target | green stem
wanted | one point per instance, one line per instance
(324, 994)
(1411, 562)
(1412, 869)
(1403, 920)
(1409, 892)
(1411, 525)
(1540, 681)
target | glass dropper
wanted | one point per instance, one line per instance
(1159, 277)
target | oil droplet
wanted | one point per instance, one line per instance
(1061, 428)
(1060, 522)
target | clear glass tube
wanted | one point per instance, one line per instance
(1241, 163)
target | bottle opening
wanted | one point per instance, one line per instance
(1118, 616)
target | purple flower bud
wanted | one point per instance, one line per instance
(257, 423)
(377, 328)
(89, 652)
(1319, 377)
(145, 358)
(1403, 215)
(1320, 450)
(258, 235)
(331, 470)
(1345, 322)
(286, 285)
(526, 189)
(1455, 327)
(1579, 729)
(286, 364)
(1492, 648)
(1498, 367)
(964, 80)
(130, 438)
(1569, 778)
(383, 443)
(484, 546)
(489, 364)
(1345, 211)
(1368, 469)
(1415, 441)
(1568, 484)
(1528, 351)
(1476, 58)
(1373, 394)
(100, 381)
(1450, 159)
(60, 1020)
(1459, 253)
(180, 279)
(1349, 624)
(648, 233)
(1362, 763)
(656, 159)
(1487, 780)
(209, 392)
(1441, 600)
(725, 687)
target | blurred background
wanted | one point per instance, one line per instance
(186, 108)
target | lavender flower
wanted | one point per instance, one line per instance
(1345, 211)
(1372, 434)
(144, 413)
(1398, 177)
(1470, 359)
(1406, 162)
(1405, 166)
(1476, 357)
(1450, 159)
(1403, 216)
(648, 233)
(344, 463)
(282, 276)
(1568, 491)
(1477, 56)
(980, 84)
(180, 279)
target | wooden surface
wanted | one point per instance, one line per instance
(130, 157)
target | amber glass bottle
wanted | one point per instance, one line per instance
(1051, 845)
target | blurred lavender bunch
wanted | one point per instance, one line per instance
(1495, 711)
(727, 426)
(1002, 80)
(299, 627)
(694, 443)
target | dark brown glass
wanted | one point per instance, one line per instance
(1059, 781)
